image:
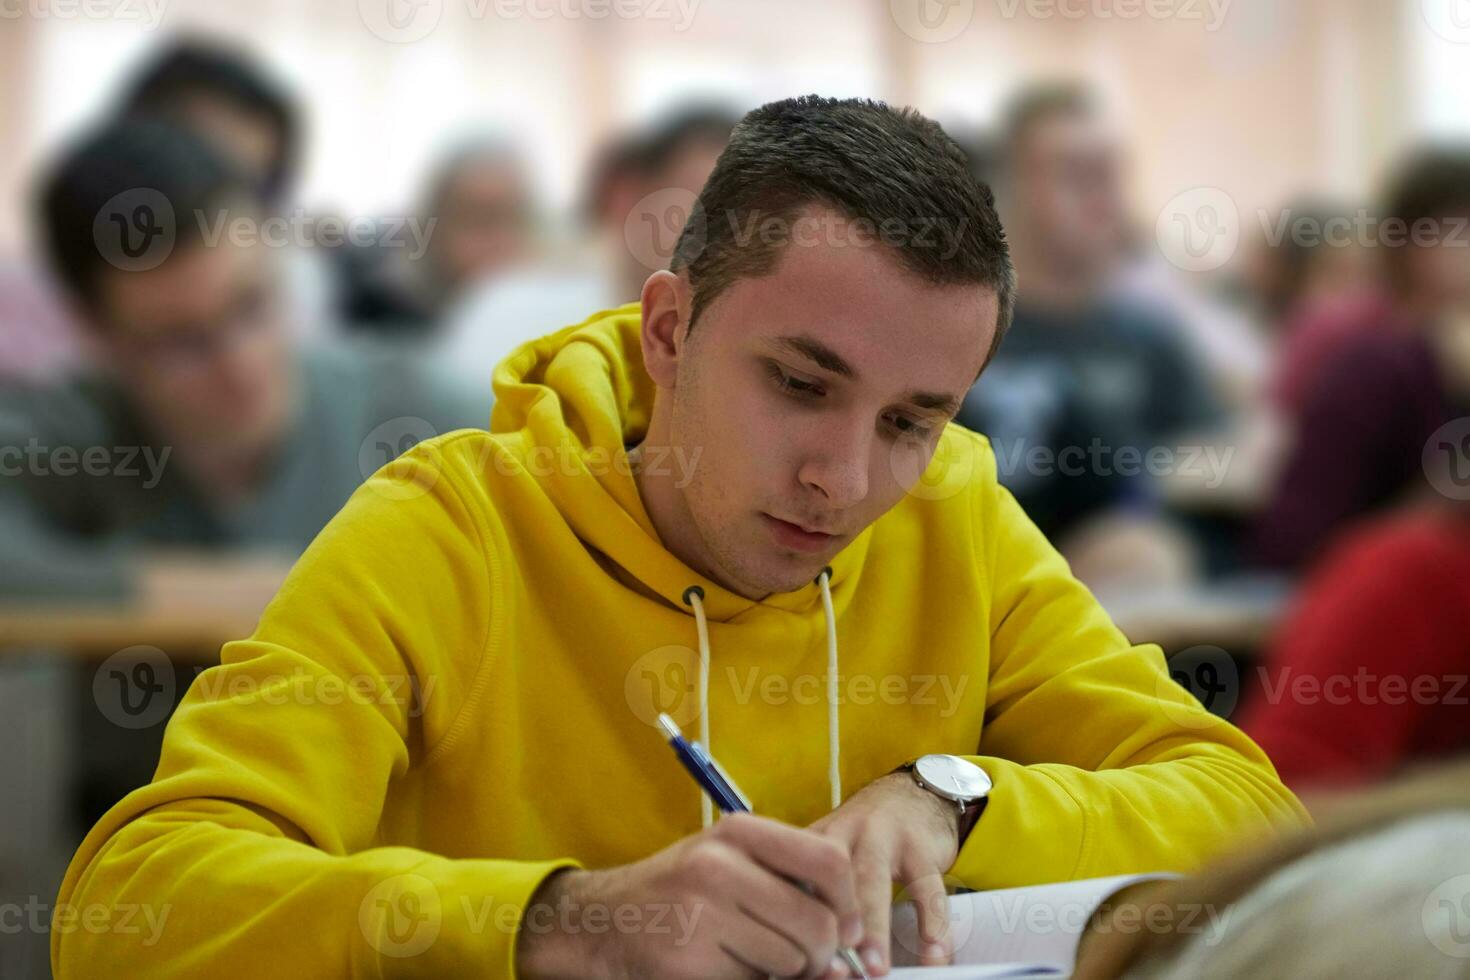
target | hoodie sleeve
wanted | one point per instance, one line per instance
(1102, 764)
(256, 849)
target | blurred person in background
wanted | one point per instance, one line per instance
(639, 193)
(202, 426)
(1389, 372)
(1230, 348)
(1368, 675)
(479, 222)
(222, 93)
(1307, 262)
(1084, 368)
(219, 91)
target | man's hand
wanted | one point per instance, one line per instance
(728, 902)
(895, 830)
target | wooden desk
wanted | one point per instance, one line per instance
(188, 606)
(99, 631)
(1239, 614)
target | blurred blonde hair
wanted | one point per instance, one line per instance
(1350, 898)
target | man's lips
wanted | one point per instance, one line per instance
(795, 536)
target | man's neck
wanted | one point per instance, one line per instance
(669, 512)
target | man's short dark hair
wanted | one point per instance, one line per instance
(192, 68)
(149, 159)
(892, 169)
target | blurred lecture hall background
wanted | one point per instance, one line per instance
(1236, 395)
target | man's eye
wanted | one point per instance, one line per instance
(909, 427)
(794, 387)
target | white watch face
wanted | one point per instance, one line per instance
(952, 777)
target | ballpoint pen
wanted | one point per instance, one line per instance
(726, 795)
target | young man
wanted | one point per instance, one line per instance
(754, 462)
(203, 427)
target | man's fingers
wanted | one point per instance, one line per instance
(875, 891)
(802, 856)
(932, 902)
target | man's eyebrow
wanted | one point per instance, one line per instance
(818, 353)
(828, 359)
(948, 404)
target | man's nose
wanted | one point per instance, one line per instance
(837, 466)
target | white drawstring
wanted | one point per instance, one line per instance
(834, 775)
(694, 598)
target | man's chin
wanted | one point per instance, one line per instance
(791, 572)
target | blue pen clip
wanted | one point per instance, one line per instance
(706, 771)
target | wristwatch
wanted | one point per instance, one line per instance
(955, 780)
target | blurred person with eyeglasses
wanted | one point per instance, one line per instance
(203, 425)
(225, 95)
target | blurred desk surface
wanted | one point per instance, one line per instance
(1232, 475)
(92, 630)
(1237, 613)
(184, 604)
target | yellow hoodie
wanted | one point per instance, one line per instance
(455, 694)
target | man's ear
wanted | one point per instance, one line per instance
(667, 299)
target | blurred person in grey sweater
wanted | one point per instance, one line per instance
(202, 427)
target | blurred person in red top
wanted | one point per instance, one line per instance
(1364, 416)
(1372, 670)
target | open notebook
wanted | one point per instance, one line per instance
(1014, 932)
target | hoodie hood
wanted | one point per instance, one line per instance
(577, 400)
